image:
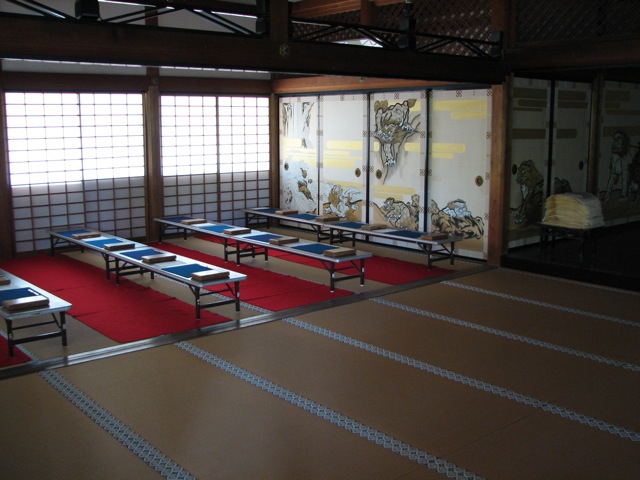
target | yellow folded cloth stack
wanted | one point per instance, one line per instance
(573, 210)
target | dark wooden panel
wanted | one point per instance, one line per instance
(35, 38)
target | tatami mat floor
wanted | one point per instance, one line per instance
(491, 373)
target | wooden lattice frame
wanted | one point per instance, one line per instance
(550, 20)
(460, 23)
(454, 18)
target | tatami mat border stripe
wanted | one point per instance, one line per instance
(511, 336)
(166, 467)
(538, 303)
(432, 462)
(472, 382)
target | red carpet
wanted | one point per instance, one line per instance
(262, 288)
(18, 355)
(131, 312)
(124, 313)
(378, 269)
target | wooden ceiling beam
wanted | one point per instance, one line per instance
(595, 54)
(27, 37)
(217, 6)
(321, 8)
(344, 84)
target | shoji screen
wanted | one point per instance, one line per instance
(190, 155)
(244, 155)
(75, 159)
(215, 155)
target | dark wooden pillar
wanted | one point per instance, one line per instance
(7, 244)
(499, 189)
(154, 190)
(274, 149)
(279, 21)
(368, 12)
(497, 236)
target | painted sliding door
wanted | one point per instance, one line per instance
(571, 127)
(299, 154)
(342, 147)
(459, 165)
(530, 118)
(619, 153)
(397, 159)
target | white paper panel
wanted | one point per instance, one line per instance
(299, 154)
(459, 165)
(529, 153)
(397, 159)
(619, 157)
(572, 113)
(343, 144)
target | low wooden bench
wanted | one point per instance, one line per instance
(243, 242)
(436, 247)
(124, 257)
(25, 304)
(586, 238)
